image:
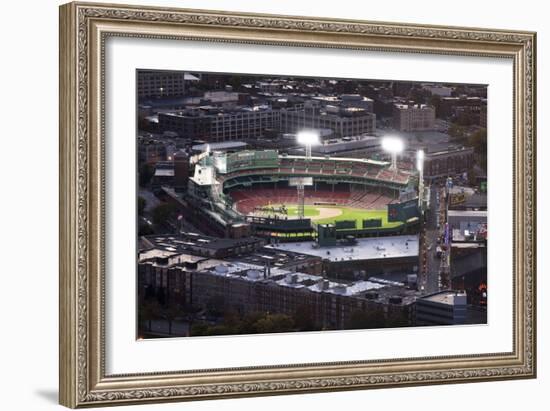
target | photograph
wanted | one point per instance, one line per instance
(260, 203)
(284, 204)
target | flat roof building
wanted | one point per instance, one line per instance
(201, 245)
(444, 160)
(369, 256)
(343, 121)
(214, 124)
(441, 308)
(162, 84)
(413, 117)
(373, 248)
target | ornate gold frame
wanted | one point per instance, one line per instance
(83, 30)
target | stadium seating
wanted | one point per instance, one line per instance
(247, 200)
(329, 166)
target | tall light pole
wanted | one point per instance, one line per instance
(420, 168)
(394, 146)
(308, 138)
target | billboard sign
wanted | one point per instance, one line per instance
(457, 198)
(345, 224)
(372, 223)
(403, 211)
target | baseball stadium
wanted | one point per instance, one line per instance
(291, 196)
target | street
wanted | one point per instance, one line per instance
(430, 262)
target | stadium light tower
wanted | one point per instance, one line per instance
(308, 138)
(394, 146)
(420, 168)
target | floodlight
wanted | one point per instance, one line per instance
(307, 137)
(420, 160)
(393, 145)
(420, 168)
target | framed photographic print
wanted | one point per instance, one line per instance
(258, 204)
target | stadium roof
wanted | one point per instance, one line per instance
(226, 145)
(340, 145)
(366, 248)
(467, 213)
(356, 160)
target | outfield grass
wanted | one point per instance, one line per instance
(347, 213)
(309, 211)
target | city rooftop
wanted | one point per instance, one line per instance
(444, 297)
(366, 248)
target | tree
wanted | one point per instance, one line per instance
(465, 118)
(478, 141)
(219, 329)
(162, 213)
(235, 82)
(170, 313)
(304, 320)
(248, 324)
(397, 319)
(457, 132)
(435, 101)
(231, 317)
(199, 329)
(149, 310)
(275, 323)
(419, 95)
(368, 318)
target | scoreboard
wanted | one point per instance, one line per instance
(251, 159)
